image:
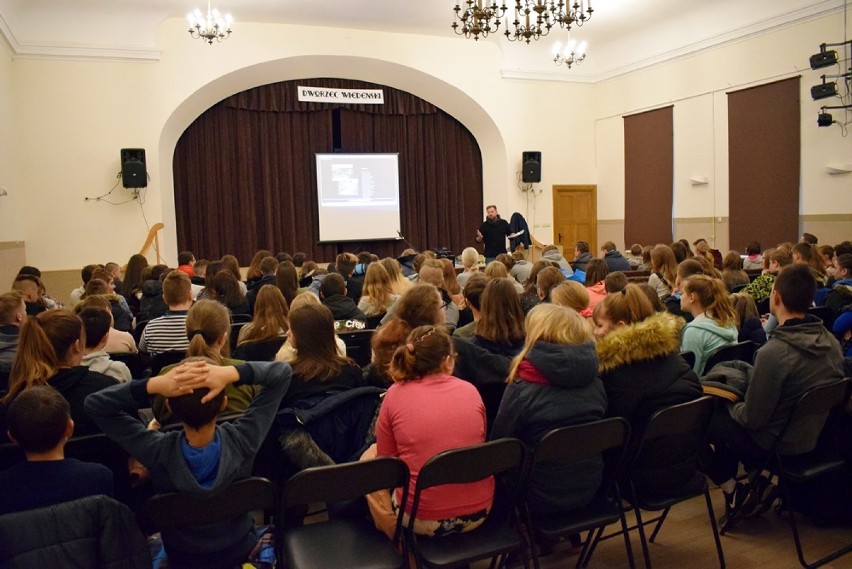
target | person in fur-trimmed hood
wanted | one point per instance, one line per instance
(642, 370)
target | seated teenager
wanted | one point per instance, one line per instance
(521, 268)
(472, 294)
(287, 353)
(378, 295)
(253, 272)
(451, 282)
(760, 287)
(203, 457)
(425, 412)
(168, 332)
(287, 281)
(753, 260)
(13, 313)
(39, 421)
(582, 256)
(500, 329)
(554, 383)
(122, 318)
(117, 340)
(29, 286)
(86, 275)
(573, 295)
(268, 267)
(732, 275)
(713, 319)
(226, 290)
(596, 272)
(96, 323)
(399, 283)
(151, 302)
(529, 298)
(186, 262)
(131, 286)
(318, 368)
(840, 295)
(49, 301)
(470, 261)
(800, 355)
(208, 324)
(333, 294)
(432, 272)
(496, 269)
(663, 270)
(270, 318)
(748, 320)
(50, 350)
(641, 367)
(551, 253)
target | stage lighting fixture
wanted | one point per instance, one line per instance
(824, 119)
(823, 58)
(823, 90)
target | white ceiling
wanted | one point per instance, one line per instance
(622, 34)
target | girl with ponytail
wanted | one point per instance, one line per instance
(714, 321)
(50, 350)
(425, 412)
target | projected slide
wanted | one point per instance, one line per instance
(358, 196)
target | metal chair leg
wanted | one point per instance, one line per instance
(712, 516)
(659, 524)
(643, 541)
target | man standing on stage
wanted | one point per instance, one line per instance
(494, 231)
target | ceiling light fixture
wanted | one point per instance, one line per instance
(211, 27)
(533, 20)
(566, 14)
(573, 54)
(478, 18)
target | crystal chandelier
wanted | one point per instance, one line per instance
(478, 18)
(572, 55)
(209, 27)
(533, 20)
(566, 14)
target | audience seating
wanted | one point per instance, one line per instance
(234, 334)
(824, 313)
(342, 542)
(574, 444)
(672, 440)
(742, 351)
(137, 331)
(10, 455)
(240, 318)
(103, 450)
(164, 359)
(134, 362)
(689, 357)
(358, 345)
(500, 534)
(263, 351)
(792, 469)
(738, 288)
(95, 531)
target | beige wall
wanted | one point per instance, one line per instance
(70, 118)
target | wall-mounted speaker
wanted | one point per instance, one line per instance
(133, 171)
(531, 173)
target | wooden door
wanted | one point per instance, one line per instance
(575, 217)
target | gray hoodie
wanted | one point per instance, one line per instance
(556, 256)
(801, 355)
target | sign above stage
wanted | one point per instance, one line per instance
(354, 96)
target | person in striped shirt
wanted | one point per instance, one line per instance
(168, 332)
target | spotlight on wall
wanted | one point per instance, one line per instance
(824, 119)
(823, 58)
(823, 90)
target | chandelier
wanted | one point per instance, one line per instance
(478, 18)
(533, 20)
(572, 55)
(565, 14)
(209, 27)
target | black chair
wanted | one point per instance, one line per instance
(235, 333)
(689, 357)
(10, 455)
(671, 443)
(499, 535)
(824, 313)
(742, 351)
(373, 322)
(136, 365)
(103, 450)
(263, 351)
(342, 541)
(137, 331)
(163, 359)
(182, 510)
(738, 288)
(800, 468)
(358, 345)
(607, 438)
(240, 318)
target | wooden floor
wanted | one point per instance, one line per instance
(687, 541)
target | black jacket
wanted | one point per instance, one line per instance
(151, 305)
(251, 295)
(582, 261)
(530, 410)
(96, 532)
(343, 308)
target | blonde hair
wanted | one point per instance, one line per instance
(305, 299)
(713, 297)
(745, 307)
(270, 315)
(377, 285)
(570, 294)
(628, 305)
(496, 270)
(399, 283)
(470, 258)
(554, 324)
(206, 321)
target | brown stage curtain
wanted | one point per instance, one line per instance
(764, 144)
(648, 177)
(245, 172)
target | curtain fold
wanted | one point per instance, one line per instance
(245, 171)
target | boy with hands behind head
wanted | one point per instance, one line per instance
(203, 457)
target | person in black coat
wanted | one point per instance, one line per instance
(333, 296)
(554, 383)
(642, 370)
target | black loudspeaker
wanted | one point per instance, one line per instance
(133, 171)
(532, 167)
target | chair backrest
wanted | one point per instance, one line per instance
(140, 327)
(471, 464)
(235, 333)
(240, 318)
(164, 359)
(263, 351)
(347, 481)
(691, 417)
(10, 455)
(358, 345)
(824, 313)
(742, 351)
(133, 361)
(689, 357)
(178, 509)
(818, 401)
(579, 442)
